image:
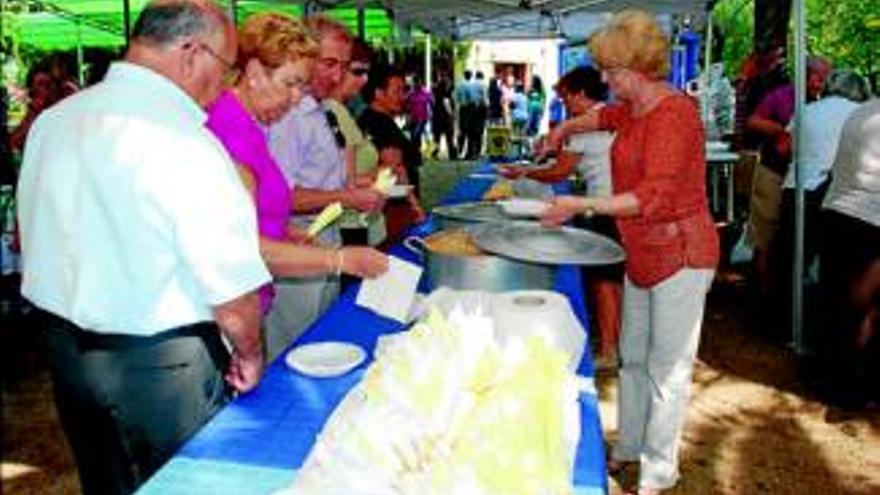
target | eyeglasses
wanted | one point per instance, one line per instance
(230, 71)
(334, 126)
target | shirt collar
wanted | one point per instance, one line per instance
(156, 82)
(308, 105)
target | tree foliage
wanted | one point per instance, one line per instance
(845, 31)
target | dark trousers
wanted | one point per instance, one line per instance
(353, 236)
(849, 339)
(443, 128)
(784, 252)
(475, 132)
(465, 129)
(128, 403)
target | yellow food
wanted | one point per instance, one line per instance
(456, 242)
(327, 216)
(502, 189)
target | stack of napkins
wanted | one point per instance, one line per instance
(445, 410)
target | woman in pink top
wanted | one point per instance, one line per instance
(272, 72)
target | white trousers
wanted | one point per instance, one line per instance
(661, 333)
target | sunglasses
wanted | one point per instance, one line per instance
(359, 71)
(334, 126)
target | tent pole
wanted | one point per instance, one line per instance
(126, 20)
(233, 11)
(428, 56)
(361, 21)
(80, 57)
(798, 258)
(707, 70)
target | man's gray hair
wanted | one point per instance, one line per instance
(165, 21)
(847, 84)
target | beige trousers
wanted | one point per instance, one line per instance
(661, 333)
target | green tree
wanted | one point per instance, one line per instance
(845, 31)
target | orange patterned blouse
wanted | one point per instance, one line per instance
(660, 158)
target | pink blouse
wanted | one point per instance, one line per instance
(247, 143)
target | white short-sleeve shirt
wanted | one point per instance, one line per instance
(133, 218)
(594, 165)
(822, 124)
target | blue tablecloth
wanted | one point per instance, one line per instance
(256, 443)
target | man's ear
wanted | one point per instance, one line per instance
(187, 60)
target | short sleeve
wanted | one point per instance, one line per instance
(612, 117)
(215, 225)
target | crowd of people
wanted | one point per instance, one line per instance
(163, 214)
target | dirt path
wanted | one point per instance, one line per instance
(752, 425)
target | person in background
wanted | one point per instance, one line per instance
(43, 92)
(660, 205)
(464, 104)
(274, 64)
(496, 112)
(769, 123)
(442, 117)
(519, 110)
(384, 92)
(139, 247)
(537, 100)
(849, 340)
(480, 109)
(419, 102)
(308, 145)
(362, 157)
(589, 155)
(821, 129)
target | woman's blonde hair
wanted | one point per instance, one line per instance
(634, 40)
(274, 39)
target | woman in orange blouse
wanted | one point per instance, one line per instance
(660, 205)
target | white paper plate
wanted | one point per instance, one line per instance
(400, 190)
(523, 207)
(324, 359)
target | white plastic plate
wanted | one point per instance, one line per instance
(400, 190)
(523, 207)
(325, 359)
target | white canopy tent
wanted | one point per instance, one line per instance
(488, 19)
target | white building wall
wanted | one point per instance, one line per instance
(540, 56)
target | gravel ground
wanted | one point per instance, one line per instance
(752, 426)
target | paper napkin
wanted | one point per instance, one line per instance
(391, 294)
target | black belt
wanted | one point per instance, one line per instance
(88, 340)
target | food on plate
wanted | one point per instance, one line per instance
(455, 242)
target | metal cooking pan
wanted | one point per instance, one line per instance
(481, 272)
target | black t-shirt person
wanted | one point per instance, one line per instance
(381, 129)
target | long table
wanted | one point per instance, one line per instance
(256, 444)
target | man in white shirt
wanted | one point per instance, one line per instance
(821, 130)
(139, 243)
